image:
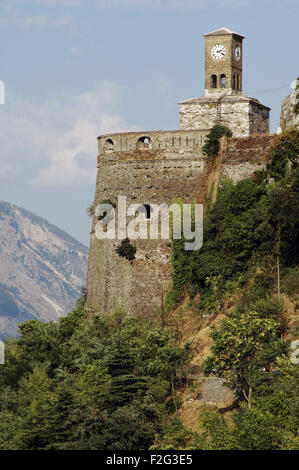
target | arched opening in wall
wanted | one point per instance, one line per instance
(144, 143)
(222, 80)
(238, 82)
(146, 210)
(108, 145)
(234, 81)
(214, 81)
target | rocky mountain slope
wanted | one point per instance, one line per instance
(42, 268)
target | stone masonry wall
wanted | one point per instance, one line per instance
(158, 140)
(240, 158)
(259, 121)
(155, 175)
(288, 118)
(144, 175)
(242, 115)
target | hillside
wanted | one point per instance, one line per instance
(42, 268)
(215, 371)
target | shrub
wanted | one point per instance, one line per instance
(126, 249)
(285, 148)
(211, 146)
(90, 210)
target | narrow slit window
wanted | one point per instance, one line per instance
(214, 81)
(222, 81)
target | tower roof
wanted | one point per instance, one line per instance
(223, 32)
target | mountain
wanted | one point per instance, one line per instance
(42, 268)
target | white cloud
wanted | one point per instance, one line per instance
(56, 141)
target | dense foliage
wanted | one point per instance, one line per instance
(250, 256)
(211, 145)
(271, 422)
(87, 383)
(251, 224)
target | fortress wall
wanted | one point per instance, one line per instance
(144, 176)
(288, 118)
(259, 118)
(147, 176)
(239, 158)
(176, 139)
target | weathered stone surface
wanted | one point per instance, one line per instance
(239, 158)
(144, 176)
(215, 393)
(243, 115)
(288, 118)
(148, 176)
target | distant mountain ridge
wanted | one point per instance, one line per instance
(42, 268)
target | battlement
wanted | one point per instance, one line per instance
(152, 140)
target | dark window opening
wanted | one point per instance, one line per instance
(146, 210)
(144, 143)
(109, 145)
(214, 81)
(222, 80)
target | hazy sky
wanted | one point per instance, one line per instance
(74, 69)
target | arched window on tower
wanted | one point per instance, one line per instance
(222, 80)
(214, 81)
(234, 81)
(238, 82)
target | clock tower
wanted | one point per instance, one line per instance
(223, 62)
(223, 101)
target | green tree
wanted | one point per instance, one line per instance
(38, 410)
(272, 422)
(211, 145)
(244, 345)
(284, 149)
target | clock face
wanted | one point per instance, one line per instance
(237, 52)
(218, 52)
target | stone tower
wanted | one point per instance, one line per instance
(223, 102)
(223, 62)
(158, 167)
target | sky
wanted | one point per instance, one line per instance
(75, 69)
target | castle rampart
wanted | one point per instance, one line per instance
(154, 140)
(156, 175)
